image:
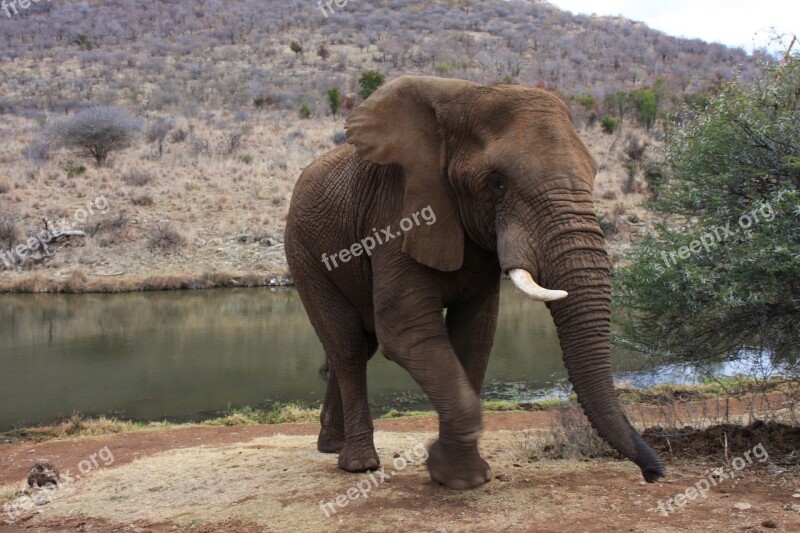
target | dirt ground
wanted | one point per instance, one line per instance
(271, 478)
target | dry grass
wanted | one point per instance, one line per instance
(279, 482)
(570, 436)
(79, 426)
(77, 283)
(279, 414)
(684, 413)
(204, 195)
(166, 238)
(209, 199)
(9, 231)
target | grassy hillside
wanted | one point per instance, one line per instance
(208, 207)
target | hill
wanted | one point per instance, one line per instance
(161, 55)
(207, 205)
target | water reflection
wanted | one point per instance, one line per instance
(185, 354)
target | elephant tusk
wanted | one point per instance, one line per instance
(524, 282)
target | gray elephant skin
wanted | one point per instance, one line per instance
(454, 183)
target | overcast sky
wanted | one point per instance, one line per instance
(733, 22)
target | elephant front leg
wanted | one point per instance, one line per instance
(413, 334)
(471, 326)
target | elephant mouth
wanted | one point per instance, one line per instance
(524, 282)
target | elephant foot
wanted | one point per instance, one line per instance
(330, 440)
(457, 469)
(359, 456)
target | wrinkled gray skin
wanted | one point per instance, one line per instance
(510, 185)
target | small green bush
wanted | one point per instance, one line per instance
(334, 100)
(610, 124)
(305, 111)
(369, 82)
(719, 272)
(73, 170)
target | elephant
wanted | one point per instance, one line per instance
(506, 184)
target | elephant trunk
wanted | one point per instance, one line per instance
(576, 262)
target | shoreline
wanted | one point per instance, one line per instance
(82, 283)
(656, 397)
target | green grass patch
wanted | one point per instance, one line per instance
(279, 413)
(78, 426)
(708, 388)
(395, 413)
(512, 405)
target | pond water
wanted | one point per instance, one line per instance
(190, 355)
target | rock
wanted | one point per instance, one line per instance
(769, 524)
(278, 237)
(42, 473)
(742, 506)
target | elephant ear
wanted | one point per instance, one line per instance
(398, 125)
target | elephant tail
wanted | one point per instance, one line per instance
(324, 372)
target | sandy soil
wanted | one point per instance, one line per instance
(271, 478)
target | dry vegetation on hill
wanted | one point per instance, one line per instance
(204, 203)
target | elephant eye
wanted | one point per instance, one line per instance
(496, 184)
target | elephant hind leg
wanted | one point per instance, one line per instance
(331, 434)
(358, 453)
(346, 420)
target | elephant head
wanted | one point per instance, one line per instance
(504, 167)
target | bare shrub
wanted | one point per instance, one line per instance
(635, 149)
(157, 131)
(165, 237)
(232, 141)
(349, 102)
(178, 136)
(262, 100)
(609, 195)
(4, 185)
(200, 146)
(9, 231)
(137, 178)
(38, 151)
(96, 132)
(144, 199)
(114, 230)
(570, 436)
